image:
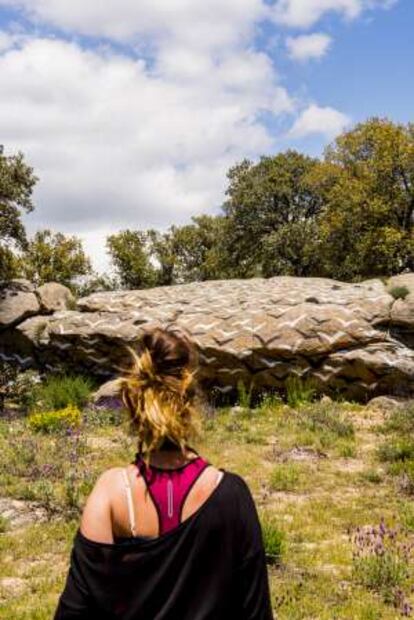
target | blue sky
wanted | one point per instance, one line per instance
(131, 112)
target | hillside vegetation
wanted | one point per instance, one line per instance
(347, 215)
(318, 470)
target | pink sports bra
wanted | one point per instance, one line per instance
(169, 488)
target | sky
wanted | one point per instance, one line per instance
(131, 112)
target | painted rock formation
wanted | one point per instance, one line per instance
(355, 339)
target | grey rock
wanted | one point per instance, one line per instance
(108, 390)
(347, 337)
(16, 303)
(54, 297)
(387, 403)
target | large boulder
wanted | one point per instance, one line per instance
(401, 287)
(342, 335)
(54, 296)
(17, 302)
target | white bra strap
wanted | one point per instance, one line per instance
(130, 503)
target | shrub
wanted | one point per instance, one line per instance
(270, 401)
(401, 450)
(400, 421)
(299, 392)
(55, 421)
(24, 387)
(406, 511)
(399, 292)
(326, 417)
(371, 475)
(381, 561)
(273, 540)
(244, 395)
(4, 524)
(57, 392)
(8, 375)
(103, 416)
(347, 450)
(406, 478)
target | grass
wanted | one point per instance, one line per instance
(286, 477)
(273, 539)
(316, 470)
(299, 391)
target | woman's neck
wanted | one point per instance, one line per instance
(169, 454)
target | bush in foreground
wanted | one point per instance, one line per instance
(59, 391)
(382, 562)
(55, 421)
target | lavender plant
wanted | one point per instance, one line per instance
(382, 562)
(77, 480)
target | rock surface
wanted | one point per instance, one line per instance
(53, 296)
(19, 513)
(353, 338)
(17, 302)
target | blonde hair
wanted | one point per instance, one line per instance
(160, 391)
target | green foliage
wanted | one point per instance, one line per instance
(270, 209)
(8, 375)
(54, 257)
(9, 263)
(194, 252)
(382, 558)
(346, 450)
(16, 187)
(130, 252)
(366, 182)
(398, 450)
(51, 469)
(298, 391)
(244, 395)
(400, 421)
(406, 512)
(405, 476)
(270, 401)
(55, 421)
(4, 524)
(101, 416)
(22, 388)
(285, 477)
(372, 476)
(399, 292)
(59, 391)
(326, 417)
(274, 539)
(93, 283)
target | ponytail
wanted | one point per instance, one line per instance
(159, 391)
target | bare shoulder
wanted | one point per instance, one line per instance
(213, 475)
(96, 522)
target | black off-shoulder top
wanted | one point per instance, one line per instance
(210, 567)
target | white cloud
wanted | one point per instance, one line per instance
(317, 120)
(304, 47)
(120, 142)
(196, 22)
(116, 144)
(306, 13)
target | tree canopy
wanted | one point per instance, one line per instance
(348, 215)
(54, 257)
(366, 183)
(131, 257)
(16, 187)
(266, 201)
